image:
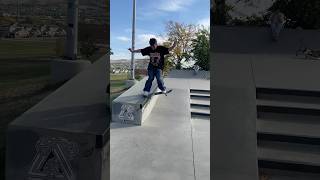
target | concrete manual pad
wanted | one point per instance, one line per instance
(131, 107)
(161, 148)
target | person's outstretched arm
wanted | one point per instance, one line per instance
(173, 46)
(134, 51)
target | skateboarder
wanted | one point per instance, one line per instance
(156, 64)
(277, 21)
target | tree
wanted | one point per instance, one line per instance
(200, 48)
(183, 34)
(220, 12)
(168, 65)
(303, 14)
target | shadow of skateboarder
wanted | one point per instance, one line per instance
(277, 21)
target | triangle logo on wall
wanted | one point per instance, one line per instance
(126, 113)
(53, 159)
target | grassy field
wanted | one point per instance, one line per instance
(22, 48)
(118, 85)
(117, 82)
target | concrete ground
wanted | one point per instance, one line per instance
(169, 145)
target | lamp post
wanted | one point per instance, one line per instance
(133, 39)
(66, 68)
(72, 30)
(18, 10)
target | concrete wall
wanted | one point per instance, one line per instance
(131, 107)
(233, 127)
(283, 72)
(258, 40)
(66, 135)
(243, 58)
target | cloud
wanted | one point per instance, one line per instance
(123, 38)
(204, 22)
(174, 5)
(143, 39)
(162, 8)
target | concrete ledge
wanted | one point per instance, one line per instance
(63, 70)
(190, 74)
(65, 135)
(234, 142)
(257, 40)
(131, 107)
(286, 73)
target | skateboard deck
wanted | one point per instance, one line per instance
(158, 93)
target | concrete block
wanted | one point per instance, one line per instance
(130, 83)
(258, 40)
(65, 135)
(234, 115)
(63, 70)
(131, 107)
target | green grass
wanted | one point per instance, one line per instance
(121, 76)
(118, 85)
(11, 48)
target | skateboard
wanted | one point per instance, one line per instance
(158, 93)
(309, 53)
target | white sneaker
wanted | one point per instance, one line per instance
(145, 93)
(164, 92)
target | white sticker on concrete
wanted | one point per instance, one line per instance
(127, 113)
(52, 160)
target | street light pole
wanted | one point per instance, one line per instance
(18, 10)
(72, 29)
(133, 38)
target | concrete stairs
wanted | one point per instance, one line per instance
(200, 103)
(288, 131)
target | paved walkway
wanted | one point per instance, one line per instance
(169, 145)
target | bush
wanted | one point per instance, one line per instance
(200, 49)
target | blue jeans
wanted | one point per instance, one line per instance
(154, 72)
